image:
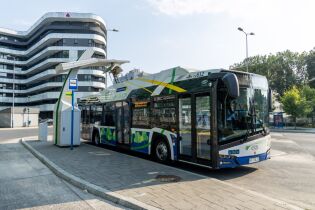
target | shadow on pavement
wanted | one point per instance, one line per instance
(106, 167)
(221, 174)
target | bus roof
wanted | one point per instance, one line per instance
(160, 80)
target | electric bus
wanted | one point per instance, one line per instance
(216, 118)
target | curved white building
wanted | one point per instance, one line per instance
(28, 59)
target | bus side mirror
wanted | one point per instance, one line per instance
(270, 100)
(231, 82)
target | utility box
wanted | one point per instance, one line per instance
(62, 126)
(43, 131)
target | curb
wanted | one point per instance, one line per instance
(22, 128)
(291, 131)
(84, 185)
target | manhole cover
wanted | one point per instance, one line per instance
(167, 178)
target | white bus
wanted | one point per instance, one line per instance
(216, 118)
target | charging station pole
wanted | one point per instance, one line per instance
(72, 116)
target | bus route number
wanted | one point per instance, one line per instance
(195, 75)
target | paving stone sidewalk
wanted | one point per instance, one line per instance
(293, 130)
(26, 183)
(136, 178)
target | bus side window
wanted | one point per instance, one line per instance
(140, 117)
(163, 114)
(83, 114)
(87, 116)
(109, 115)
(96, 114)
(92, 114)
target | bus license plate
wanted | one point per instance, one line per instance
(254, 160)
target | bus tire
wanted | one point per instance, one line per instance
(161, 150)
(96, 138)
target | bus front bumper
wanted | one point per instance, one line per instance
(232, 161)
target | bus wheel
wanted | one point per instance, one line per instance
(96, 138)
(161, 151)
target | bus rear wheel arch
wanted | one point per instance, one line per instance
(160, 149)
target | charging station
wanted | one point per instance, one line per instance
(67, 115)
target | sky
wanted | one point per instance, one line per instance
(202, 34)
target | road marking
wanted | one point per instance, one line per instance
(276, 134)
(275, 153)
(300, 158)
(284, 141)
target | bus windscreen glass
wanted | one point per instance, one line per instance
(244, 116)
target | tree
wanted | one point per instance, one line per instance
(283, 70)
(310, 67)
(295, 103)
(309, 94)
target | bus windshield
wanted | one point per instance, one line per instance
(244, 116)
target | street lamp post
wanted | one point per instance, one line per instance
(113, 30)
(13, 93)
(246, 34)
(28, 111)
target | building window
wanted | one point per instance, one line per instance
(3, 38)
(87, 77)
(65, 54)
(63, 77)
(80, 52)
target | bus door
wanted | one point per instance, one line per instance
(194, 128)
(123, 123)
(85, 113)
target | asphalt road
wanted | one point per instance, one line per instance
(6, 134)
(289, 175)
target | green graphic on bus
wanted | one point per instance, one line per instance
(108, 135)
(140, 141)
(141, 136)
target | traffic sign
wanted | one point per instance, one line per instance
(73, 84)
